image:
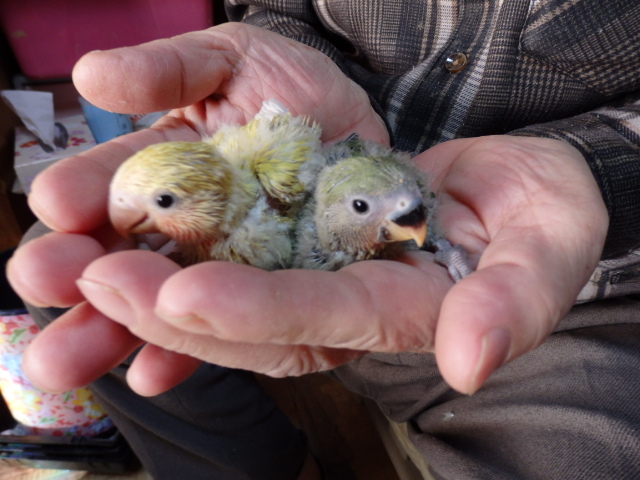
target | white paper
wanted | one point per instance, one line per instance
(35, 109)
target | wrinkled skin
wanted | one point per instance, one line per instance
(527, 209)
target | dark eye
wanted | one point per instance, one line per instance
(165, 200)
(360, 206)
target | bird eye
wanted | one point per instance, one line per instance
(360, 206)
(165, 200)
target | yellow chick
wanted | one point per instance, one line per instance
(231, 197)
(210, 207)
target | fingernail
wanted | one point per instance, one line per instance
(189, 322)
(108, 300)
(496, 347)
(184, 319)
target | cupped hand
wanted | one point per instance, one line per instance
(532, 213)
(207, 78)
(527, 209)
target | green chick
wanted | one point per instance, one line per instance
(369, 202)
(209, 207)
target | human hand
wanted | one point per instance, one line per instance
(217, 76)
(532, 214)
(527, 209)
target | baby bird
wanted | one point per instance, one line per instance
(369, 202)
(268, 194)
(211, 208)
(231, 197)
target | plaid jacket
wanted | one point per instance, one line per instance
(443, 69)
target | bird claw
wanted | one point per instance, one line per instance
(454, 258)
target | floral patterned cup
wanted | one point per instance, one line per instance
(75, 412)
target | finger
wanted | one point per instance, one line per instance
(72, 194)
(159, 75)
(486, 321)
(76, 349)
(156, 370)
(369, 304)
(495, 314)
(43, 271)
(546, 235)
(226, 72)
(134, 278)
(524, 285)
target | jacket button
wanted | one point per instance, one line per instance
(456, 62)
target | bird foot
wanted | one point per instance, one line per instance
(454, 258)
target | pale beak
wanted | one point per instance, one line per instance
(402, 233)
(408, 224)
(130, 221)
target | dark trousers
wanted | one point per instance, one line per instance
(568, 410)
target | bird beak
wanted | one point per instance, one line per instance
(402, 233)
(407, 224)
(129, 222)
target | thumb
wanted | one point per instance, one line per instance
(523, 286)
(488, 319)
(159, 75)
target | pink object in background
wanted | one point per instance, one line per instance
(75, 412)
(48, 37)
